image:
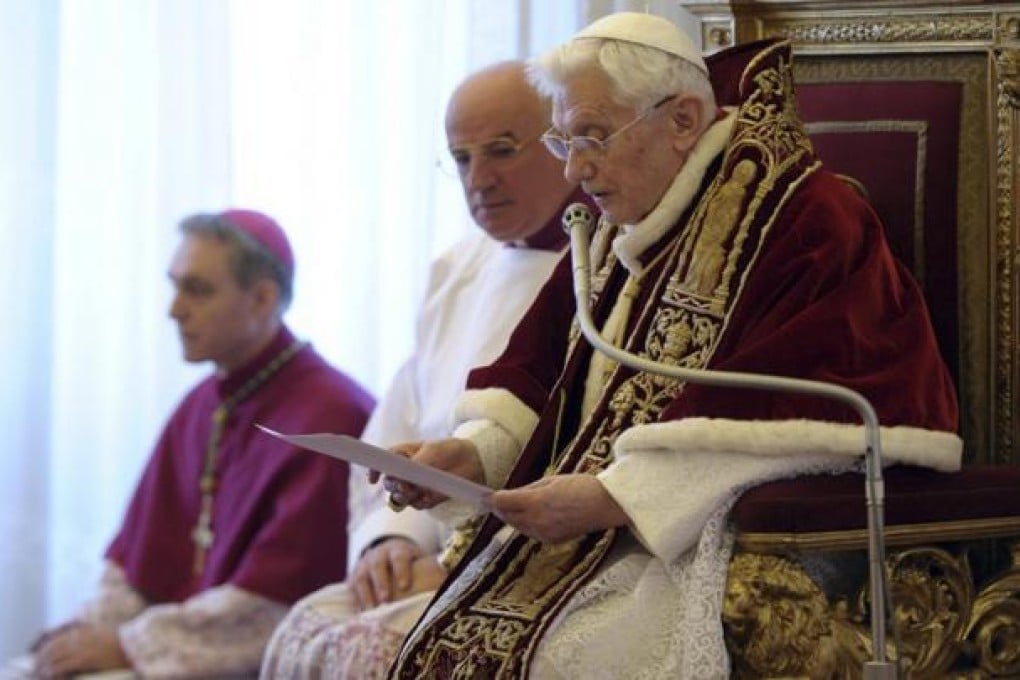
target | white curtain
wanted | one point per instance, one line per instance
(122, 116)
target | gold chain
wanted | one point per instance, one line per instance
(202, 535)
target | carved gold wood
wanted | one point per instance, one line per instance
(778, 623)
(859, 25)
(777, 543)
(977, 43)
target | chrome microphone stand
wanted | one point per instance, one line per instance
(578, 222)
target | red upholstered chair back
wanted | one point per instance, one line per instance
(900, 141)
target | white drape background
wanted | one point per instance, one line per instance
(122, 116)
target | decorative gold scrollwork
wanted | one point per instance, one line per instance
(1008, 67)
(932, 593)
(993, 633)
(778, 622)
(880, 30)
(1006, 109)
(1011, 28)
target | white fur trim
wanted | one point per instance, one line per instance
(500, 406)
(497, 452)
(637, 238)
(497, 449)
(901, 444)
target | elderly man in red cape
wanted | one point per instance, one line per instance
(723, 244)
(228, 526)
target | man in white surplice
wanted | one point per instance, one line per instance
(477, 292)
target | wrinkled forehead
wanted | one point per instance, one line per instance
(488, 120)
(502, 104)
(482, 132)
(586, 95)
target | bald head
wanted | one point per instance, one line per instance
(511, 194)
(498, 92)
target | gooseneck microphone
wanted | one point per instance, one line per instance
(578, 222)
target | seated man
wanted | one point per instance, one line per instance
(728, 247)
(225, 529)
(515, 190)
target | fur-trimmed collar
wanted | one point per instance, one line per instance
(636, 238)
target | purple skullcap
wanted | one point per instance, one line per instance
(264, 230)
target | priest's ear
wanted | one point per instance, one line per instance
(687, 121)
(266, 298)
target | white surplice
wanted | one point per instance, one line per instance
(477, 292)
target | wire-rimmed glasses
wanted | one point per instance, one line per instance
(497, 151)
(560, 146)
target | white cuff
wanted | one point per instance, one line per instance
(497, 453)
(497, 449)
(500, 406)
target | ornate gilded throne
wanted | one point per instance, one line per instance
(918, 103)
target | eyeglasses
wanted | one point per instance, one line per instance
(496, 151)
(560, 146)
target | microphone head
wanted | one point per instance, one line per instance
(577, 215)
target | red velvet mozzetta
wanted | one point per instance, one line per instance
(912, 496)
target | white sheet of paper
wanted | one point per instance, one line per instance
(375, 458)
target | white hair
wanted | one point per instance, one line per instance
(640, 76)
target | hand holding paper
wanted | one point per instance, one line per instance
(458, 457)
(391, 464)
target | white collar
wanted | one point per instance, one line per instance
(634, 239)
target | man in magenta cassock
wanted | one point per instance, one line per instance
(228, 526)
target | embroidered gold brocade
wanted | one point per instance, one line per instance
(457, 544)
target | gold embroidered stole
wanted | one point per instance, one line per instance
(491, 626)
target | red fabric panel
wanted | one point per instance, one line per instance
(826, 301)
(886, 163)
(912, 495)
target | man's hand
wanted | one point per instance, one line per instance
(456, 456)
(384, 570)
(79, 648)
(392, 570)
(49, 634)
(559, 508)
